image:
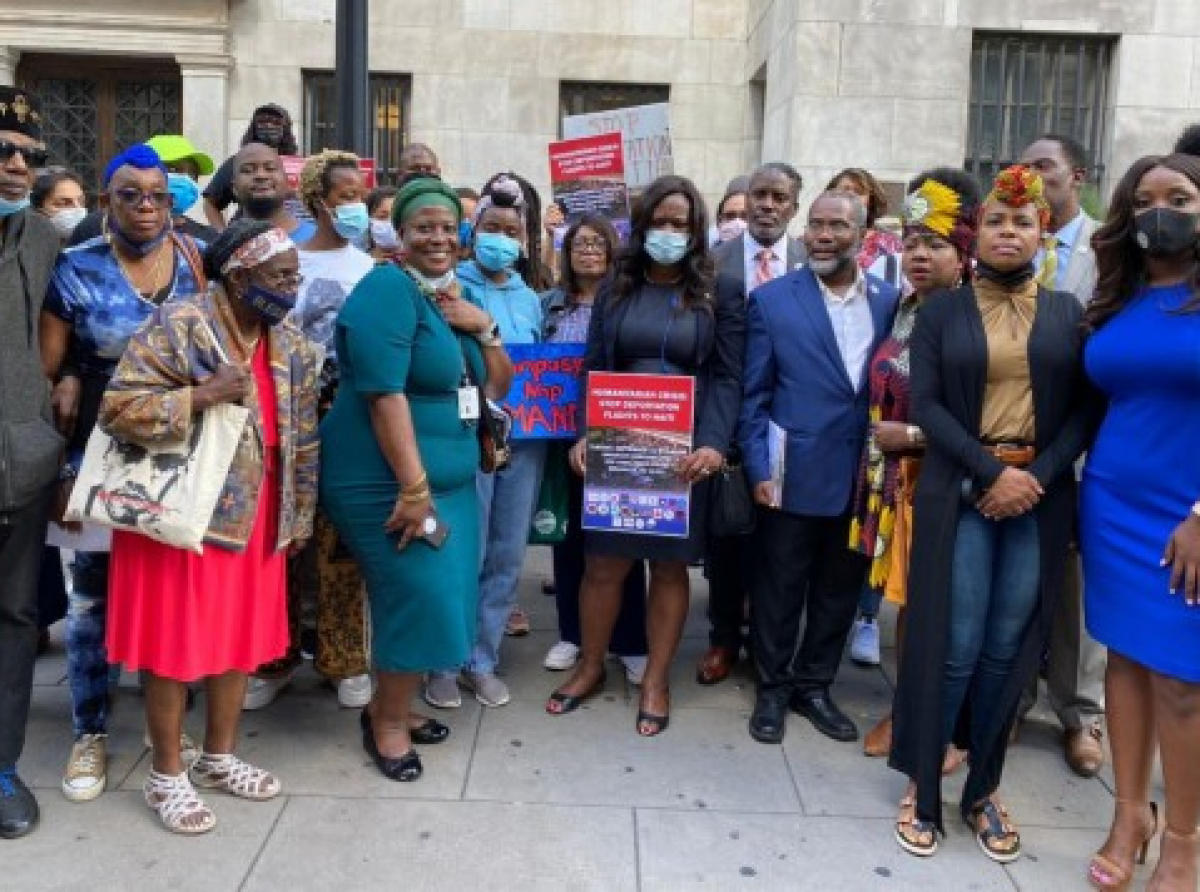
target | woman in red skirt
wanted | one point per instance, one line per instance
(179, 616)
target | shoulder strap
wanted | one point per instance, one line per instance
(187, 247)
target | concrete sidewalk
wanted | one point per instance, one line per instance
(517, 799)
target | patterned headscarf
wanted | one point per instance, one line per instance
(1018, 186)
(935, 207)
(258, 250)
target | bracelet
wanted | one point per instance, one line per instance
(416, 485)
(914, 434)
(415, 498)
(1196, 509)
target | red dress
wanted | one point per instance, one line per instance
(183, 615)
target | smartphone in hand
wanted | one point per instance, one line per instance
(434, 531)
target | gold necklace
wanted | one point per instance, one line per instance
(155, 274)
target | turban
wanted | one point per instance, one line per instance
(424, 192)
(140, 156)
(935, 207)
(1018, 186)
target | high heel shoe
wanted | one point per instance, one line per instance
(650, 724)
(1174, 838)
(560, 703)
(405, 768)
(1110, 876)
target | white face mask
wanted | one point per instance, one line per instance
(441, 283)
(384, 235)
(67, 219)
(731, 228)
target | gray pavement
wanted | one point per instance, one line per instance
(517, 799)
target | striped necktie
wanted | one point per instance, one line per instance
(763, 272)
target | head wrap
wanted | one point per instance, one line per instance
(258, 250)
(20, 112)
(140, 156)
(508, 187)
(936, 207)
(424, 192)
(1018, 186)
(173, 148)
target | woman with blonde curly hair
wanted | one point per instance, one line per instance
(334, 192)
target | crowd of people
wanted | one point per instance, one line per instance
(983, 415)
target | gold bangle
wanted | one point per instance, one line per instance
(417, 485)
(415, 498)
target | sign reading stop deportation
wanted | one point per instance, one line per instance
(639, 427)
(544, 397)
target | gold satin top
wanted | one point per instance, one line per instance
(1008, 394)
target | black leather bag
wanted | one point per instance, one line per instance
(731, 511)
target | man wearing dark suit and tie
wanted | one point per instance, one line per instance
(810, 336)
(762, 253)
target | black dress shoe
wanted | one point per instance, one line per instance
(405, 768)
(818, 707)
(18, 808)
(431, 732)
(769, 718)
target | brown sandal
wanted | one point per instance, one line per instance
(915, 836)
(1105, 872)
(996, 835)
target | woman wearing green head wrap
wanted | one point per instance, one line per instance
(400, 454)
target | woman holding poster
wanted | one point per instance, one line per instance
(659, 316)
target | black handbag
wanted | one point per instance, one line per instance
(731, 511)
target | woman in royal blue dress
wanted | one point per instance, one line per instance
(1140, 525)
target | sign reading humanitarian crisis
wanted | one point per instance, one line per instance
(293, 164)
(544, 397)
(639, 427)
(587, 176)
(646, 131)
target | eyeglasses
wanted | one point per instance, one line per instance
(589, 246)
(134, 198)
(33, 157)
(282, 281)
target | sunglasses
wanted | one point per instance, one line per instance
(134, 198)
(33, 157)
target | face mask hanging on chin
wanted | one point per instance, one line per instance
(138, 249)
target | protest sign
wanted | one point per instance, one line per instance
(544, 397)
(646, 131)
(587, 176)
(639, 427)
(293, 164)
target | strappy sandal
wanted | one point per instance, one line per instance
(651, 724)
(915, 836)
(1173, 839)
(996, 835)
(230, 774)
(178, 806)
(1110, 875)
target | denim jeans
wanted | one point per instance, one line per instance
(993, 595)
(506, 502)
(87, 660)
(869, 600)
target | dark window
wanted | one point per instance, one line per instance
(586, 97)
(391, 95)
(1025, 85)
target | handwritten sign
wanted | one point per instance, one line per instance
(544, 397)
(646, 132)
(587, 176)
(639, 427)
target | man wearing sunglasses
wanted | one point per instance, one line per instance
(30, 449)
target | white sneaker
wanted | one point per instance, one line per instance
(864, 642)
(261, 692)
(354, 692)
(562, 656)
(87, 769)
(635, 668)
(489, 690)
(442, 691)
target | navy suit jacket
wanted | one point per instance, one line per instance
(794, 376)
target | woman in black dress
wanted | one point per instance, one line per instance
(659, 316)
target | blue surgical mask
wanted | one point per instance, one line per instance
(185, 192)
(351, 221)
(8, 208)
(464, 232)
(272, 306)
(666, 247)
(495, 251)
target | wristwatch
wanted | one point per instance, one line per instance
(914, 434)
(489, 337)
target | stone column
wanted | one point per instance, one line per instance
(9, 57)
(206, 101)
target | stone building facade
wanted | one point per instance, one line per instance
(890, 85)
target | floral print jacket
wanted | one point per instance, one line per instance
(149, 402)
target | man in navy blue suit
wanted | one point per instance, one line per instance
(811, 336)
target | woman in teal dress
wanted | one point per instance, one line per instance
(400, 451)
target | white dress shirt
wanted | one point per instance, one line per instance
(750, 249)
(853, 326)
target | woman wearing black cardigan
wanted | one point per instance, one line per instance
(997, 390)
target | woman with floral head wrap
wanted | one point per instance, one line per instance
(180, 616)
(998, 394)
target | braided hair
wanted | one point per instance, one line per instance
(316, 176)
(231, 238)
(531, 268)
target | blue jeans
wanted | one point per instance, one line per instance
(506, 502)
(869, 600)
(993, 596)
(87, 660)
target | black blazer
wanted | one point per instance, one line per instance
(730, 258)
(718, 368)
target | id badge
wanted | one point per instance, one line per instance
(468, 403)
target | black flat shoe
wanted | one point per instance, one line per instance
(818, 707)
(560, 703)
(768, 721)
(655, 724)
(18, 808)
(404, 768)
(431, 732)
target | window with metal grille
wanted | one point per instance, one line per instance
(586, 97)
(391, 95)
(1024, 85)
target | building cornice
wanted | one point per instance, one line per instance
(107, 34)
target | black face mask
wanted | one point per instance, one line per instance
(1010, 279)
(1162, 232)
(262, 207)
